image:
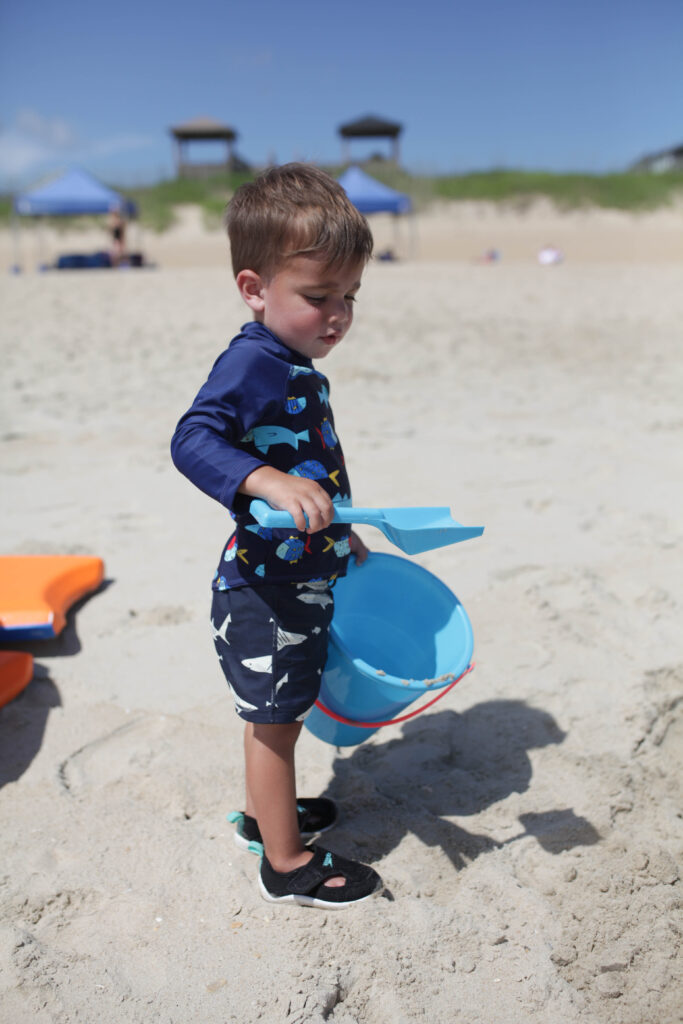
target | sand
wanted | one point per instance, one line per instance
(528, 827)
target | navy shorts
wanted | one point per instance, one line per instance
(271, 641)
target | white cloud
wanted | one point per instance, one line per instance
(52, 132)
(33, 144)
(18, 154)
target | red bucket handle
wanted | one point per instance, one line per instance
(393, 721)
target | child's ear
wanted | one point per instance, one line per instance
(250, 286)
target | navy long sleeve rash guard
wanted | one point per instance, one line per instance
(264, 404)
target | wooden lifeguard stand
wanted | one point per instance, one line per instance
(202, 129)
(370, 127)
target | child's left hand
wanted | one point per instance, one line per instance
(358, 548)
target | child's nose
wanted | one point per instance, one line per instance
(339, 311)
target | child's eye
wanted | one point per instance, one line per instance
(315, 299)
(350, 298)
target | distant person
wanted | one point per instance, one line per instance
(117, 229)
(262, 427)
(550, 255)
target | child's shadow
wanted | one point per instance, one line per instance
(450, 764)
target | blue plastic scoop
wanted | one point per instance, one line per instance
(413, 530)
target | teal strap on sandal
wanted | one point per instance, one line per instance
(315, 815)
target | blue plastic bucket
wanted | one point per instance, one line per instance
(397, 632)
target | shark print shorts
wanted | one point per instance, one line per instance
(271, 641)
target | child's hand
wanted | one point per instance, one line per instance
(358, 548)
(300, 497)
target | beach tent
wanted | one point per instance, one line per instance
(371, 196)
(72, 194)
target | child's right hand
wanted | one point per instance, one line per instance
(302, 498)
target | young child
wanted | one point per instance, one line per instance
(262, 427)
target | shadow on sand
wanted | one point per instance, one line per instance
(23, 720)
(22, 725)
(450, 765)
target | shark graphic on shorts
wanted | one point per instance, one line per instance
(322, 599)
(240, 704)
(222, 631)
(285, 639)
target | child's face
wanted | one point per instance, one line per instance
(309, 306)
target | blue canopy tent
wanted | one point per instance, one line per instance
(74, 193)
(371, 196)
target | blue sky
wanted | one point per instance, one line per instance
(476, 83)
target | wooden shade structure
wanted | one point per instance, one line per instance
(201, 129)
(370, 127)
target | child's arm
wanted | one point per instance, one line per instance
(301, 497)
(298, 495)
(241, 388)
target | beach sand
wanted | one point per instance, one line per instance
(528, 827)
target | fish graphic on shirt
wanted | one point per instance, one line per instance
(296, 371)
(265, 532)
(327, 434)
(324, 396)
(293, 548)
(311, 469)
(341, 547)
(294, 405)
(264, 437)
(232, 552)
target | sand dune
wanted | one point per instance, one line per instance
(445, 231)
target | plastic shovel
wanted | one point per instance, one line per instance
(413, 530)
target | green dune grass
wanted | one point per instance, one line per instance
(629, 191)
(624, 191)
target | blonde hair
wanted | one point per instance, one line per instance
(294, 210)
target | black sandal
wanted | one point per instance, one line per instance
(315, 814)
(306, 887)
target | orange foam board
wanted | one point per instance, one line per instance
(16, 672)
(36, 591)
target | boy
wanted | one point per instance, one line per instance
(261, 427)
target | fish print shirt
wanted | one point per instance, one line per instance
(264, 404)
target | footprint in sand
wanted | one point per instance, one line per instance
(136, 747)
